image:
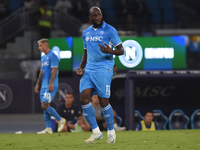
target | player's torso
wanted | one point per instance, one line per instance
(95, 57)
(45, 62)
(46, 68)
(69, 113)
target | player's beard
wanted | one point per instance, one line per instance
(95, 25)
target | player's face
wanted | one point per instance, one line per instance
(148, 117)
(42, 46)
(95, 99)
(69, 98)
(96, 18)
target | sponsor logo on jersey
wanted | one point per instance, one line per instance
(46, 63)
(94, 38)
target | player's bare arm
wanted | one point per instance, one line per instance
(71, 126)
(53, 76)
(106, 49)
(38, 82)
(79, 71)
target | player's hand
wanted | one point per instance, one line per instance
(51, 87)
(36, 89)
(105, 49)
(79, 71)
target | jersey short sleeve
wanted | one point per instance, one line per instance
(54, 61)
(115, 39)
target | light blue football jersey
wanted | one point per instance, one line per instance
(47, 62)
(97, 60)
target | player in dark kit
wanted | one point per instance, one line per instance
(69, 111)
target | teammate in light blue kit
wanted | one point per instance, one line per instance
(49, 78)
(96, 71)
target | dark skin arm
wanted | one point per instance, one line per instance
(53, 75)
(38, 82)
(79, 71)
(119, 49)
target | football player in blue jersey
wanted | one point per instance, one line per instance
(48, 78)
(96, 71)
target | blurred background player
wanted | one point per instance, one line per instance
(99, 115)
(97, 63)
(70, 112)
(48, 77)
(148, 124)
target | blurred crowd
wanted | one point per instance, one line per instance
(127, 14)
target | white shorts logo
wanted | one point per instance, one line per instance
(47, 96)
(132, 54)
(108, 90)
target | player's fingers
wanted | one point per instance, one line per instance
(79, 72)
(100, 46)
(50, 89)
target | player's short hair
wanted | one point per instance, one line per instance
(149, 111)
(70, 92)
(43, 41)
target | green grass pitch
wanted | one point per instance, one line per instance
(136, 140)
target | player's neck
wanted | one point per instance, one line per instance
(46, 51)
(94, 104)
(68, 105)
(147, 123)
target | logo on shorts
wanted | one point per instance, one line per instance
(47, 96)
(63, 88)
(6, 96)
(132, 54)
(108, 90)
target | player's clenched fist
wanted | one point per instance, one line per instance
(79, 71)
(36, 89)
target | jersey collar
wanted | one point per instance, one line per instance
(102, 26)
